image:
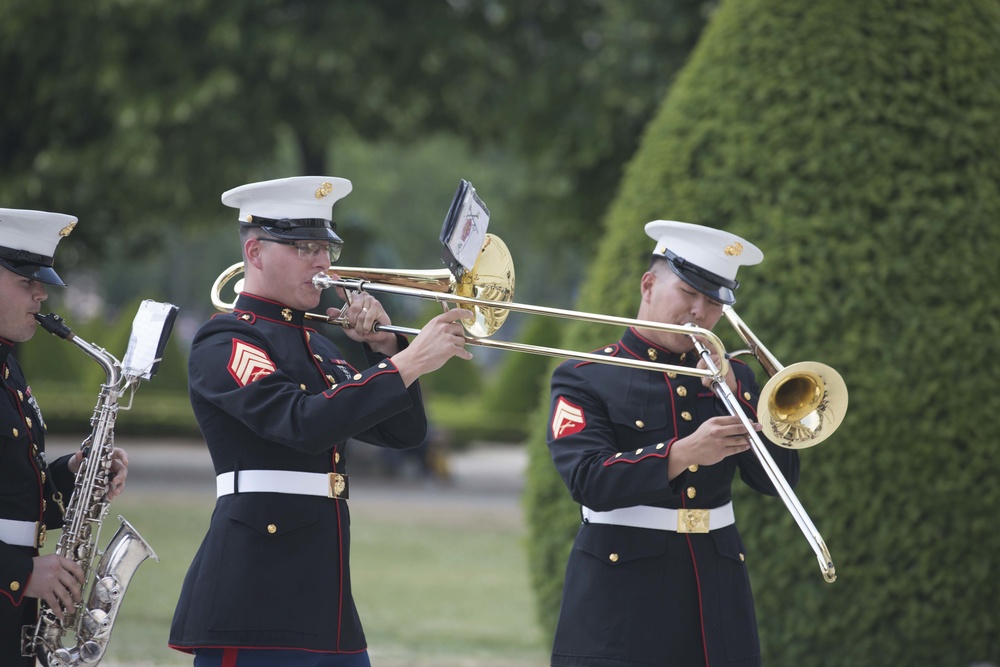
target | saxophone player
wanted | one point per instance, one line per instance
(29, 486)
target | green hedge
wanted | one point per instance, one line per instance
(67, 410)
(857, 143)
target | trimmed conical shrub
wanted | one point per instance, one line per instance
(857, 144)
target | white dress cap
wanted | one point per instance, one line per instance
(28, 241)
(713, 250)
(703, 257)
(296, 198)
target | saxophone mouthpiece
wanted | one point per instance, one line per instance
(55, 325)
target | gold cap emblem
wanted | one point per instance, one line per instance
(734, 249)
(67, 229)
(324, 189)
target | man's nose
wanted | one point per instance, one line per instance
(322, 262)
(698, 307)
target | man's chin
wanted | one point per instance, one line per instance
(308, 300)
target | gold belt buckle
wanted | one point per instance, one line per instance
(338, 486)
(692, 521)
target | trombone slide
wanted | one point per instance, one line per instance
(785, 492)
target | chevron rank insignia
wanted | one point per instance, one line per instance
(567, 419)
(248, 363)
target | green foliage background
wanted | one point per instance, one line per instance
(135, 116)
(856, 143)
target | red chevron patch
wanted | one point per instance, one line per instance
(248, 363)
(567, 419)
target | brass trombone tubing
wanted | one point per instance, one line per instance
(768, 361)
(785, 492)
(358, 284)
(324, 281)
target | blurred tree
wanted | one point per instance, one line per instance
(136, 115)
(864, 160)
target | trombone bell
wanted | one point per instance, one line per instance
(802, 405)
(490, 279)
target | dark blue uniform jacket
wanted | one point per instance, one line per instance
(272, 394)
(23, 497)
(636, 596)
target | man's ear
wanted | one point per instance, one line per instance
(646, 285)
(252, 250)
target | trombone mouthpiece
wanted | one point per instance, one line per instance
(322, 281)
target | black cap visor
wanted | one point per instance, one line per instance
(30, 265)
(710, 284)
(298, 229)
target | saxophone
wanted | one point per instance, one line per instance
(92, 621)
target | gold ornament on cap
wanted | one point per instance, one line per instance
(67, 229)
(324, 190)
(734, 250)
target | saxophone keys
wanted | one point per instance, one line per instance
(107, 589)
(60, 657)
(91, 652)
(96, 622)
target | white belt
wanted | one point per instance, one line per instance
(19, 533)
(662, 518)
(325, 485)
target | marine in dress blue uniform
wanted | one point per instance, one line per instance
(652, 579)
(276, 401)
(27, 484)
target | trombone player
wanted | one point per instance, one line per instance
(276, 401)
(658, 572)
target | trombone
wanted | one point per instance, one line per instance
(800, 405)
(487, 289)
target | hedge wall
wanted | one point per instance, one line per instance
(857, 144)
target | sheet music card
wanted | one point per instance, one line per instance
(150, 331)
(464, 230)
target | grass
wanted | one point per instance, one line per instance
(443, 588)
